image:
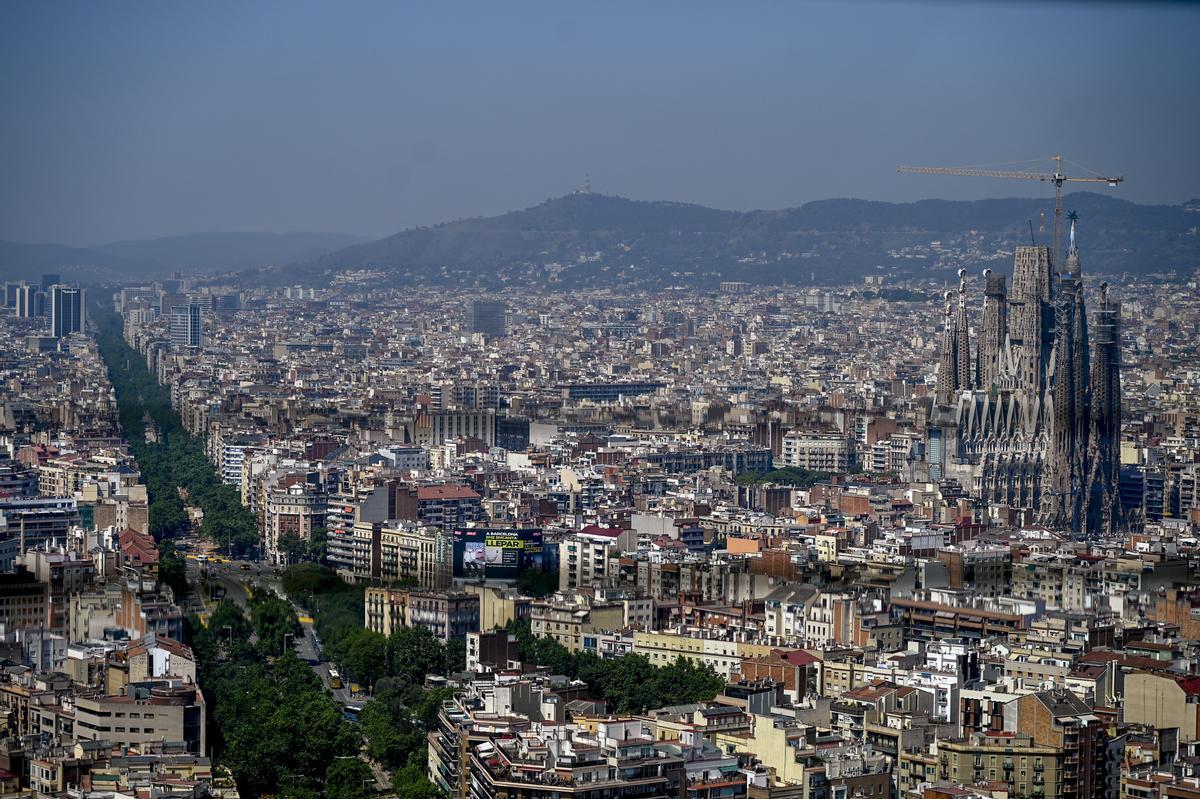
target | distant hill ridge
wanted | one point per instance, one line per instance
(826, 240)
(586, 239)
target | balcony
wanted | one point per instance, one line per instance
(446, 749)
(707, 783)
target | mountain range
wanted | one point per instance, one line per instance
(586, 239)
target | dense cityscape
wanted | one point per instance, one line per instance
(623, 400)
(747, 542)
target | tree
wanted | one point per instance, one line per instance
(684, 682)
(226, 636)
(629, 684)
(557, 658)
(228, 614)
(297, 789)
(392, 739)
(172, 570)
(274, 622)
(365, 656)
(274, 721)
(301, 579)
(317, 544)
(410, 782)
(456, 656)
(429, 705)
(415, 652)
(167, 518)
(537, 583)
(336, 605)
(293, 547)
(348, 778)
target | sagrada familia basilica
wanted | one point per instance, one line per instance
(1030, 416)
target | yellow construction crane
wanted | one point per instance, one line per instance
(1058, 177)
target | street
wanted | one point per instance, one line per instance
(236, 579)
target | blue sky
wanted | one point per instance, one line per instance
(131, 120)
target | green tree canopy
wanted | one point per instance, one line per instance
(537, 583)
(628, 684)
(274, 622)
(276, 721)
(410, 782)
(349, 778)
(415, 652)
(364, 656)
(172, 570)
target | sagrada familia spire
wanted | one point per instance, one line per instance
(1034, 419)
(954, 372)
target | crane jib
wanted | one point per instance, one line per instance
(1058, 178)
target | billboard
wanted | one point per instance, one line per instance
(496, 553)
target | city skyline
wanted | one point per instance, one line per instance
(627, 457)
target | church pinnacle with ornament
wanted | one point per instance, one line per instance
(1033, 419)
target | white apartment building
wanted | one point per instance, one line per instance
(821, 452)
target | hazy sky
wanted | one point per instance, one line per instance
(130, 120)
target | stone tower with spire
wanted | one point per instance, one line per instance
(1102, 512)
(954, 368)
(947, 378)
(962, 337)
(1068, 400)
(1031, 316)
(993, 331)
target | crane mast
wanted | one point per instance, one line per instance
(1058, 177)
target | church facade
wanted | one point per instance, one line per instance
(1030, 416)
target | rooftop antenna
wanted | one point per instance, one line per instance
(587, 183)
(1032, 240)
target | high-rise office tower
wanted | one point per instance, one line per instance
(487, 317)
(49, 280)
(10, 294)
(186, 330)
(29, 302)
(66, 310)
(168, 300)
(173, 284)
